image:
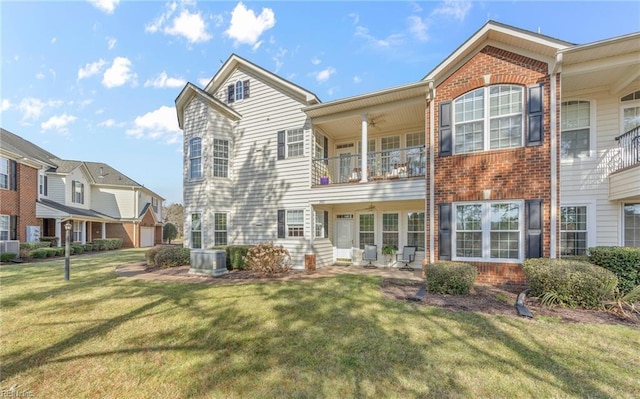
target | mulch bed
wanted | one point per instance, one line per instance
(501, 301)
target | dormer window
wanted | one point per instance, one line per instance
(238, 91)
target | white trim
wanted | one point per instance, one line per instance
(621, 219)
(431, 210)
(553, 106)
(593, 145)
(592, 232)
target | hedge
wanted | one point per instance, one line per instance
(453, 278)
(622, 261)
(108, 243)
(235, 255)
(569, 282)
(171, 256)
(8, 256)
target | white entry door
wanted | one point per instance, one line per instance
(344, 238)
(146, 237)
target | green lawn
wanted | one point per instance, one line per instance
(101, 336)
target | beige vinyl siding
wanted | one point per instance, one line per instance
(117, 203)
(79, 176)
(56, 188)
(589, 179)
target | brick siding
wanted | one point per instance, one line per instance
(22, 203)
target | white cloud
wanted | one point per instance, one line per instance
(277, 58)
(107, 6)
(453, 8)
(246, 27)
(357, 79)
(315, 60)
(160, 124)
(32, 108)
(390, 41)
(91, 69)
(107, 123)
(5, 104)
(325, 74)
(58, 123)
(189, 25)
(111, 42)
(204, 81)
(119, 73)
(40, 75)
(54, 40)
(162, 81)
(418, 27)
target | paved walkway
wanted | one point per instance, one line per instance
(181, 274)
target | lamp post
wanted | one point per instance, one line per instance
(67, 249)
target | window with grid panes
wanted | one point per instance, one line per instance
(4, 227)
(220, 228)
(366, 230)
(390, 230)
(295, 223)
(220, 158)
(195, 158)
(196, 230)
(575, 136)
(631, 225)
(4, 173)
(573, 230)
(77, 230)
(295, 142)
(481, 125)
(415, 230)
(319, 224)
(389, 158)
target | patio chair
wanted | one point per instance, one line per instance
(370, 253)
(355, 175)
(407, 256)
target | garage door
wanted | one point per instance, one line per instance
(146, 236)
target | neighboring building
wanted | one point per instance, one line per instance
(497, 155)
(42, 193)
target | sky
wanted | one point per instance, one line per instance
(97, 80)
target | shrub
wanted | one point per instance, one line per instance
(268, 258)
(235, 255)
(8, 256)
(51, 252)
(569, 283)
(454, 278)
(150, 254)
(39, 253)
(87, 247)
(171, 256)
(77, 249)
(53, 241)
(34, 245)
(623, 262)
(107, 243)
(60, 251)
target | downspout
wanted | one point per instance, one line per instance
(555, 73)
(431, 210)
(363, 149)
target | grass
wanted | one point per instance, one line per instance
(99, 335)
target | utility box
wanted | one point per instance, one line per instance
(310, 262)
(33, 233)
(208, 262)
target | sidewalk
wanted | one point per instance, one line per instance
(181, 274)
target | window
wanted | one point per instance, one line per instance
(575, 137)
(154, 204)
(488, 231)
(319, 149)
(220, 228)
(295, 143)
(77, 230)
(196, 230)
(390, 229)
(481, 125)
(220, 158)
(631, 225)
(4, 227)
(43, 185)
(4, 173)
(77, 192)
(415, 139)
(237, 91)
(195, 158)
(415, 230)
(573, 230)
(321, 228)
(295, 223)
(389, 158)
(366, 230)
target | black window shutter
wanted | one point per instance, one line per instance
(245, 89)
(326, 224)
(73, 191)
(281, 144)
(13, 175)
(535, 115)
(13, 227)
(326, 148)
(82, 193)
(444, 128)
(231, 94)
(533, 216)
(46, 185)
(281, 224)
(444, 232)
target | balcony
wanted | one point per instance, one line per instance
(623, 182)
(385, 165)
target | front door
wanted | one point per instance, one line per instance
(347, 162)
(344, 238)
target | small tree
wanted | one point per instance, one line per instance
(169, 232)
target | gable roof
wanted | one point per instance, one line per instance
(20, 148)
(534, 45)
(235, 61)
(189, 91)
(70, 212)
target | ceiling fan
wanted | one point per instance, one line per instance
(374, 120)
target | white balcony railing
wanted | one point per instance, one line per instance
(381, 165)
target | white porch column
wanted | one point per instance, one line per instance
(363, 149)
(83, 235)
(104, 230)
(58, 232)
